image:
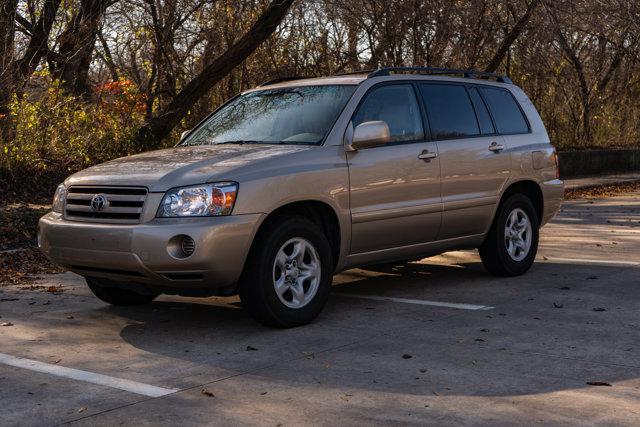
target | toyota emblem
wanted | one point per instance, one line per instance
(98, 202)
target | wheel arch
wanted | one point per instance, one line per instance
(529, 188)
(319, 212)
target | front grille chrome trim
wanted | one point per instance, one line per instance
(125, 205)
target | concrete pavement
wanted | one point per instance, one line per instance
(572, 319)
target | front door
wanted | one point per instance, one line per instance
(395, 189)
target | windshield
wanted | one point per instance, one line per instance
(292, 115)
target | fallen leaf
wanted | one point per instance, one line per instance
(592, 277)
(249, 348)
(565, 288)
(599, 383)
(556, 305)
(207, 392)
(263, 393)
(599, 309)
(8, 299)
(7, 324)
(479, 340)
(484, 330)
(407, 356)
(69, 317)
(82, 409)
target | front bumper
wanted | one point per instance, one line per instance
(139, 253)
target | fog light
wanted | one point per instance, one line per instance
(181, 246)
(188, 245)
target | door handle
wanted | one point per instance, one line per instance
(495, 147)
(427, 155)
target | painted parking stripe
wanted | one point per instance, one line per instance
(590, 261)
(416, 301)
(90, 377)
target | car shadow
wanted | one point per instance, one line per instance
(520, 348)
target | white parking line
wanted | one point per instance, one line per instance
(416, 301)
(90, 377)
(590, 261)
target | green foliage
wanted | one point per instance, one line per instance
(55, 134)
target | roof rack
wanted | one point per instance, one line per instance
(280, 80)
(351, 73)
(469, 74)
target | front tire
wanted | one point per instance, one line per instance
(114, 295)
(287, 276)
(512, 243)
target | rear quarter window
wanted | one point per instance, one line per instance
(505, 111)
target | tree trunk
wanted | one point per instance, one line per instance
(7, 35)
(76, 47)
(511, 37)
(160, 126)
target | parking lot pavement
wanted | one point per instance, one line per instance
(385, 350)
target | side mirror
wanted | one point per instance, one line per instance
(370, 134)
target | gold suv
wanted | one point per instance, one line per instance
(295, 180)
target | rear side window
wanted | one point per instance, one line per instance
(450, 112)
(397, 106)
(505, 111)
(484, 119)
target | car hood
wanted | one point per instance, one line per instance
(175, 167)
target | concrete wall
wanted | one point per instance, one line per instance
(576, 164)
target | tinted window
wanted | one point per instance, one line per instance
(450, 112)
(507, 115)
(398, 107)
(292, 115)
(484, 119)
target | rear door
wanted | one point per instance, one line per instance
(395, 189)
(474, 159)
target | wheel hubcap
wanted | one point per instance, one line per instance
(517, 234)
(296, 272)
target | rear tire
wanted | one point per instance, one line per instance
(287, 276)
(114, 295)
(512, 243)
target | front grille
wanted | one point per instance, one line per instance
(121, 205)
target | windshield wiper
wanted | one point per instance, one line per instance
(237, 141)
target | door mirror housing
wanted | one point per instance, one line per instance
(370, 134)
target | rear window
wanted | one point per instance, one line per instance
(505, 111)
(450, 111)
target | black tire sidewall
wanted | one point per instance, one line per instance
(513, 202)
(258, 289)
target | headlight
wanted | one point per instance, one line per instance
(200, 200)
(59, 198)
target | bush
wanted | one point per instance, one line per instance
(55, 134)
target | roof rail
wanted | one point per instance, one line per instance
(350, 73)
(280, 79)
(469, 74)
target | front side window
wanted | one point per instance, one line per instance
(397, 106)
(505, 111)
(291, 115)
(451, 114)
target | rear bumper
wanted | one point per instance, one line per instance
(139, 253)
(553, 194)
